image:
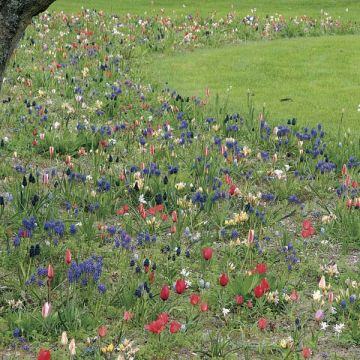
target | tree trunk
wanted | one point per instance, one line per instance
(15, 16)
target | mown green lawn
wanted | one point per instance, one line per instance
(343, 8)
(319, 75)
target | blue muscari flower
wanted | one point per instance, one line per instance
(294, 199)
(267, 197)
(103, 185)
(29, 224)
(172, 169)
(16, 241)
(343, 304)
(72, 229)
(184, 124)
(352, 298)
(41, 271)
(102, 288)
(17, 332)
(325, 166)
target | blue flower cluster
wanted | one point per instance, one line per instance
(85, 271)
(55, 227)
(325, 166)
(103, 185)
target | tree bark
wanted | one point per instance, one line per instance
(15, 16)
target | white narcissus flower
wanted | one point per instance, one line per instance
(338, 328)
(142, 199)
(324, 325)
(317, 295)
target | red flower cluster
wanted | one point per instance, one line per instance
(158, 325)
(307, 229)
(123, 210)
(262, 288)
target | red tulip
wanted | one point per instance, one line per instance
(194, 299)
(175, 327)
(102, 331)
(174, 216)
(262, 323)
(68, 256)
(173, 229)
(164, 318)
(180, 286)
(258, 291)
(265, 285)
(155, 327)
(50, 272)
(223, 280)
(306, 353)
(239, 299)
(164, 293)
(44, 354)
(204, 307)
(207, 253)
(261, 268)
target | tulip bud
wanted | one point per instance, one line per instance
(349, 203)
(46, 179)
(322, 283)
(223, 280)
(102, 331)
(51, 151)
(251, 236)
(152, 149)
(50, 272)
(42, 136)
(206, 151)
(46, 310)
(344, 169)
(67, 159)
(72, 347)
(164, 293)
(174, 216)
(330, 297)
(68, 256)
(347, 180)
(64, 338)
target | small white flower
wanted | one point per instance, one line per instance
(142, 199)
(333, 310)
(324, 325)
(225, 311)
(338, 328)
(317, 295)
(89, 178)
(185, 272)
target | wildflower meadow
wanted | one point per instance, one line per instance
(138, 221)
